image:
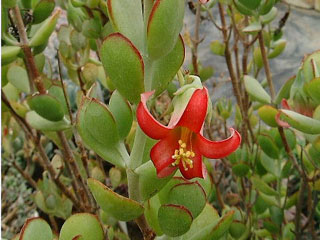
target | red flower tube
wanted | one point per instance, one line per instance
(181, 142)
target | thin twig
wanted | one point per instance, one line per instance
(266, 65)
(63, 88)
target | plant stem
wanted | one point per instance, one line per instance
(75, 172)
(196, 41)
(266, 65)
(28, 57)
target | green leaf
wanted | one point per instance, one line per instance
(122, 112)
(301, 122)
(240, 169)
(284, 92)
(309, 68)
(257, 57)
(253, 28)
(242, 9)
(174, 220)
(47, 107)
(36, 229)
(122, 208)
(18, 77)
(263, 187)
(216, 228)
(164, 25)
(267, 114)
(313, 89)
(217, 48)
(124, 65)
(267, 145)
(42, 10)
(237, 229)
(190, 195)
(164, 193)
(270, 16)
(97, 128)
(85, 225)
(270, 165)
(278, 48)
(266, 7)
(126, 18)
(91, 28)
(208, 215)
(165, 68)
(151, 208)
(149, 183)
(9, 54)
(43, 33)
(255, 90)
(57, 92)
(42, 124)
(251, 4)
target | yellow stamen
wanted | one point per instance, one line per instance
(183, 155)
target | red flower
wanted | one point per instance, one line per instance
(181, 142)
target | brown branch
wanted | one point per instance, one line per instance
(25, 175)
(147, 233)
(28, 57)
(266, 65)
(70, 160)
(195, 41)
(63, 88)
(45, 162)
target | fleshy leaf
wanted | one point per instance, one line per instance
(255, 90)
(97, 128)
(124, 65)
(42, 10)
(126, 18)
(190, 195)
(253, 28)
(313, 89)
(47, 107)
(122, 113)
(122, 208)
(165, 68)
(208, 215)
(284, 91)
(85, 225)
(301, 122)
(279, 46)
(18, 77)
(251, 4)
(260, 185)
(43, 33)
(42, 124)
(267, 114)
(36, 229)
(9, 54)
(149, 183)
(164, 25)
(174, 220)
(268, 146)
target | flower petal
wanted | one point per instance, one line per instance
(196, 111)
(161, 154)
(218, 149)
(198, 170)
(148, 124)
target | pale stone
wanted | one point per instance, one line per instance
(317, 5)
(307, 4)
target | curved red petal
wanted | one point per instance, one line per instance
(199, 170)
(285, 104)
(161, 154)
(218, 149)
(147, 123)
(280, 122)
(195, 113)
